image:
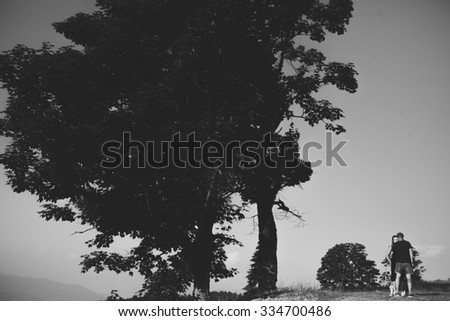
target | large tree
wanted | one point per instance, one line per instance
(134, 73)
(296, 74)
(55, 154)
(155, 68)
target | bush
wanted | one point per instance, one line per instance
(346, 267)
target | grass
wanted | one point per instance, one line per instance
(423, 291)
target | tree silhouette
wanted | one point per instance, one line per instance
(155, 68)
(298, 75)
(133, 74)
(345, 266)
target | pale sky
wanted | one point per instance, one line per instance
(398, 124)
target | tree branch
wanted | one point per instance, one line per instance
(298, 116)
(82, 232)
(255, 225)
(288, 212)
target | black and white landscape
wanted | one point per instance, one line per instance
(347, 103)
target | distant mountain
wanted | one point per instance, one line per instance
(19, 288)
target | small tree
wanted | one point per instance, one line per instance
(345, 266)
(255, 277)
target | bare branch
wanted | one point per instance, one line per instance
(82, 232)
(226, 195)
(255, 224)
(298, 116)
(288, 213)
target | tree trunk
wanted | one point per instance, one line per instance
(201, 260)
(202, 250)
(267, 245)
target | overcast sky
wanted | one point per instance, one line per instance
(398, 127)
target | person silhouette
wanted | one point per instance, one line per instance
(402, 253)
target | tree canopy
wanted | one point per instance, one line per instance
(155, 68)
(345, 266)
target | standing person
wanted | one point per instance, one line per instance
(391, 259)
(402, 252)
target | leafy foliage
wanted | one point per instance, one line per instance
(255, 276)
(345, 266)
(299, 74)
(154, 68)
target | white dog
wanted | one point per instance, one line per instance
(392, 288)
